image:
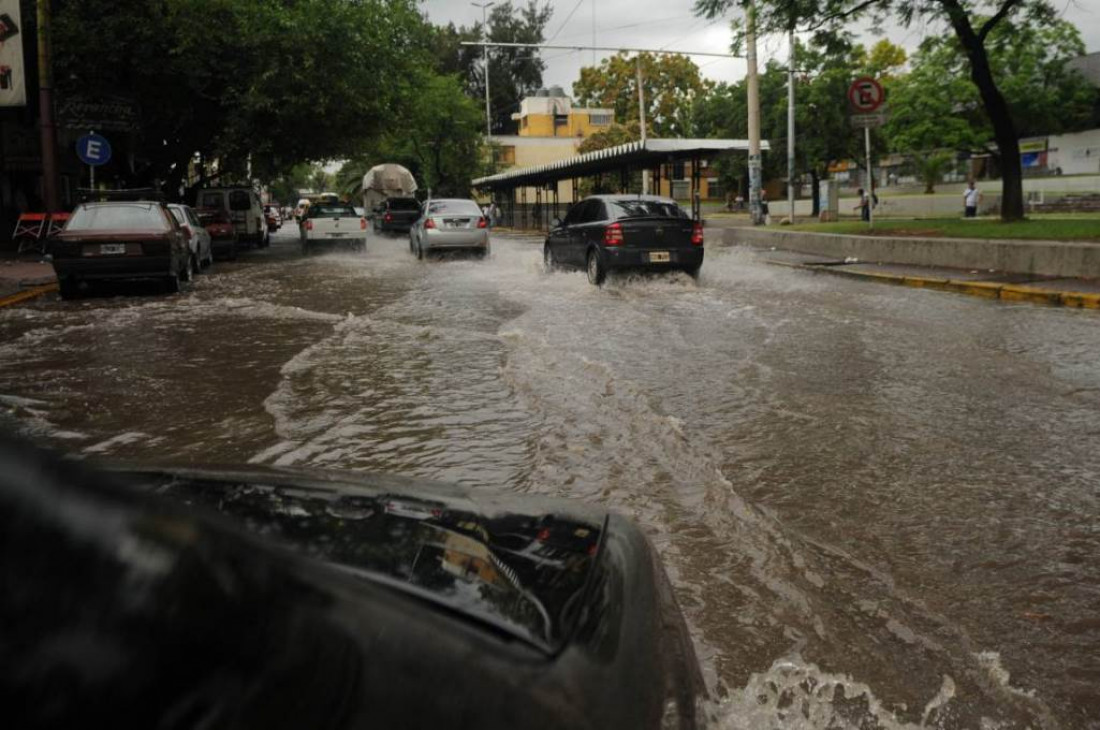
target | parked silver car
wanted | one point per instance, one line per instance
(449, 224)
(198, 238)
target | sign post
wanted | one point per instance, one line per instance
(865, 97)
(93, 150)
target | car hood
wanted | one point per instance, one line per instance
(519, 565)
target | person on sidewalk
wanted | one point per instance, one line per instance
(864, 205)
(971, 197)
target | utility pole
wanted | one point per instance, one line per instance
(485, 57)
(790, 123)
(47, 128)
(754, 116)
(641, 117)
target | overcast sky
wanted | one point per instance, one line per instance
(670, 24)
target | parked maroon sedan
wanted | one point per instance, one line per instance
(120, 240)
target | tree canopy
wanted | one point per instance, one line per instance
(671, 83)
(514, 73)
(972, 21)
(278, 83)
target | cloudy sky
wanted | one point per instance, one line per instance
(670, 24)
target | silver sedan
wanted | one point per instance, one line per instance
(449, 224)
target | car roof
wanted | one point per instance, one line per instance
(621, 197)
(136, 203)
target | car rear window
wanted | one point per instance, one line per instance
(403, 204)
(320, 210)
(104, 217)
(239, 200)
(454, 207)
(645, 209)
(211, 200)
(177, 214)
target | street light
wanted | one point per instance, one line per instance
(485, 29)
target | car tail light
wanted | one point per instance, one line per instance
(388, 218)
(362, 224)
(309, 225)
(482, 223)
(613, 235)
(697, 234)
(429, 223)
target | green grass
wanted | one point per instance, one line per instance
(1045, 228)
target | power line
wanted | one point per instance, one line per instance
(566, 21)
(615, 49)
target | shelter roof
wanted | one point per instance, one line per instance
(636, 155)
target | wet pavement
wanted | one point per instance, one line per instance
(878, 505)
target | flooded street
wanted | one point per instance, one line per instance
(878, 505)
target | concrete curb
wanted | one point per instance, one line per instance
(26, 294)
(985, 289)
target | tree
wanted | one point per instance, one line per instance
(972, 29)
(514, 73)
(277, 82)
(671, 83)
(615, 135)
(933, 107)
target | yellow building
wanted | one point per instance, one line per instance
(550, 113)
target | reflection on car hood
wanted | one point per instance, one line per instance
(521, 566)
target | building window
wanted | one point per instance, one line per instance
(678, 171)
(506, 155)
(599, 120)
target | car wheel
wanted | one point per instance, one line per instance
(209, 257)
(172, 283)
(596, 271)
(188, 271)
(693, 272)
(68, 289)
(548, 259)
(419, 251)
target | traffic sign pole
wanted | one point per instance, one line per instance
(870, 189)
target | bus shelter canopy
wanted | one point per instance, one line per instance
(633, 155)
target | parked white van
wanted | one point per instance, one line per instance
(245, 209)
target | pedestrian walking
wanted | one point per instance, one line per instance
(971, 197)
(864, 205)
(494, 214)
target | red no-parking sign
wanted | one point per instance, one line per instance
(865, 95)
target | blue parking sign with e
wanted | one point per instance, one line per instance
(93, 149)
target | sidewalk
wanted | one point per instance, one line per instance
(1068, 292)
(24, 277)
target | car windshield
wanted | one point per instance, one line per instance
(177, 213)
(454, 207)
(320, 210)
(137, 217)
(645, 209)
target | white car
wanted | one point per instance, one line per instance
(198, 239)
(333, 223)
(449, 224)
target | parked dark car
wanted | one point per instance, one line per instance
(611, 232)
(223, 234)
(395, 215)
(290, 598)
(120, 240)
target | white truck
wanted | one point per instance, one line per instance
(333, 224)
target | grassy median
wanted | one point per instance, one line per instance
(1050, 229)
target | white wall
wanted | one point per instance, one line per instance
(1075, 154)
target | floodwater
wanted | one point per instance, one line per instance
(878, 505)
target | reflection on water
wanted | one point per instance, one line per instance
(874, 503)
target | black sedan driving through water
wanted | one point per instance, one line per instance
(609, 232)
(265, 598)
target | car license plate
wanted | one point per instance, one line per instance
(658, 257)
(336, 235)
(112, 248)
